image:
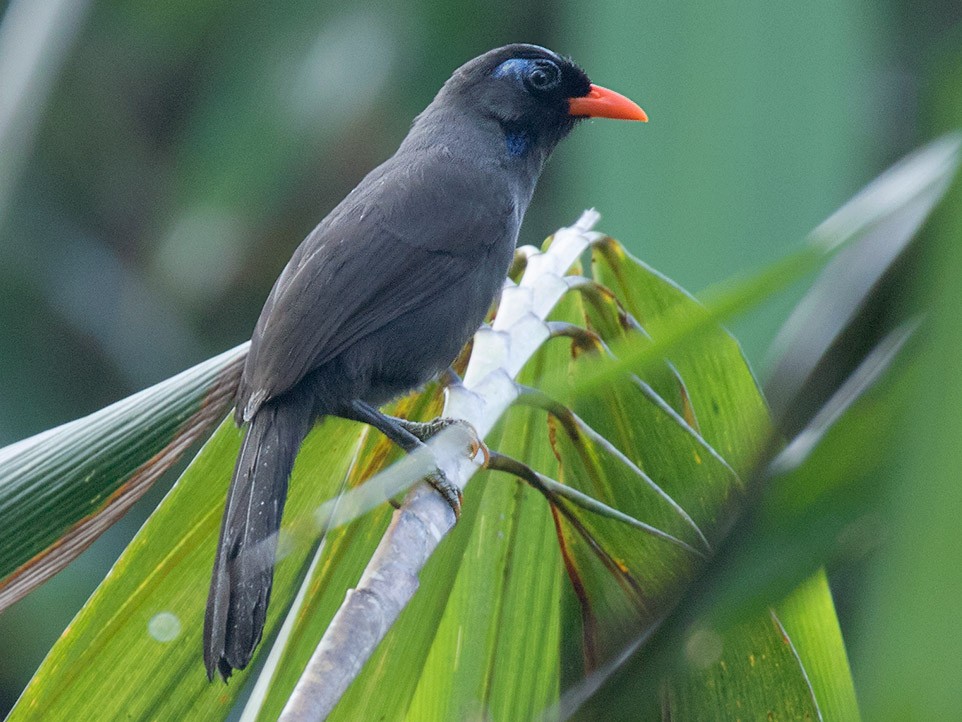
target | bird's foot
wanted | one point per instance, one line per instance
(424, 430)
(448, 490)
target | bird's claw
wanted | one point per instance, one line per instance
(449, 491)
(475, 444)
(423, 431)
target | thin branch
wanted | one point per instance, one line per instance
(391, 577)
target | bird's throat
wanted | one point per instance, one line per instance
(518, 142)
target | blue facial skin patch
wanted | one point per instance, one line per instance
(515, 67)
(518, 142)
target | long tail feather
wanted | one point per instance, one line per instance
(240, 586)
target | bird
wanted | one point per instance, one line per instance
(381, 296)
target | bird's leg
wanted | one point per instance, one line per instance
(424, 430)
(395, 429)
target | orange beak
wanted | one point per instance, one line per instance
(603, 103)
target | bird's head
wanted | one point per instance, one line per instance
(534, 95)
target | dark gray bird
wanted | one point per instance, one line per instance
(382, 295)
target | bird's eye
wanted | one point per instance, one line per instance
(543, 76)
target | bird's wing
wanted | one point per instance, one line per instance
(352, 276)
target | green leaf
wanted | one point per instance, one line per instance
(61, 489)
(751, 671)
(134, 650)
(636, 453)
(809, 620)
(466, 644)
(728, 406)
(495, 648)
(713, 406)
(908, 619)
(810, 507)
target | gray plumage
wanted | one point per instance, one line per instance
(379, 298)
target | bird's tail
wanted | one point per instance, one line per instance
(240, 586)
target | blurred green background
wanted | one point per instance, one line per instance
(159, 161)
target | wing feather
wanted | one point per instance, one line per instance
(388, 248)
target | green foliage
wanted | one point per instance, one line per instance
(907, 628)
(81, 477)
(535, 601)
(162, 579)
(174, 153)
(488, 631)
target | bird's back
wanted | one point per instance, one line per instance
(413, 236)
